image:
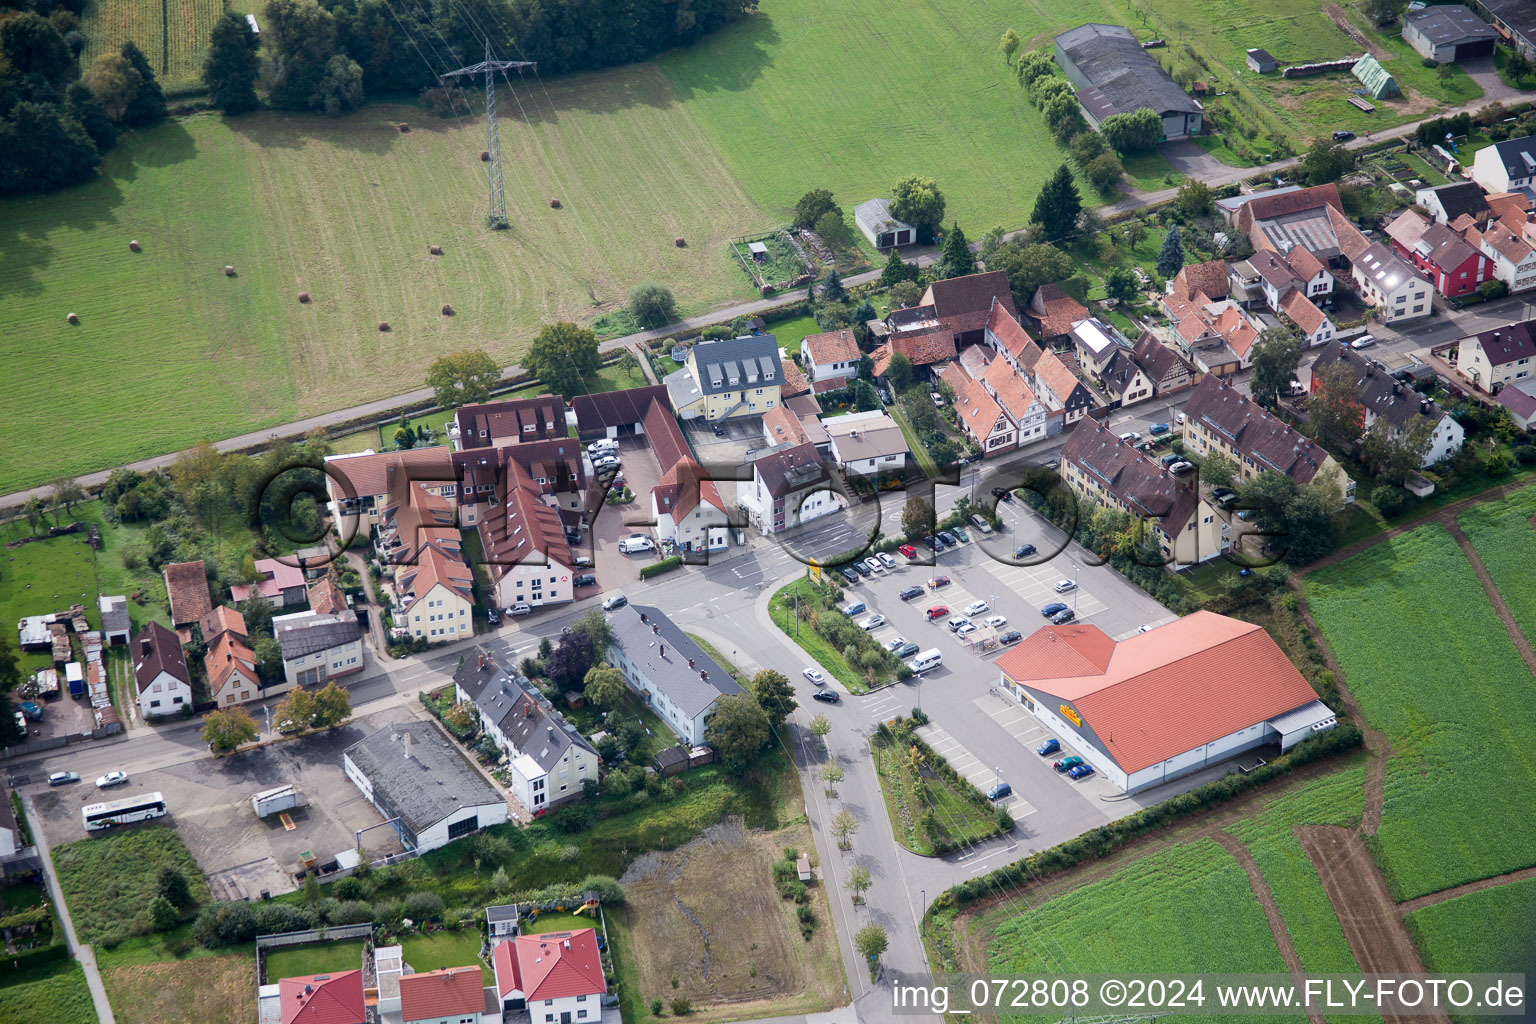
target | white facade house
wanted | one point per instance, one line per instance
(1387, 281)
(1508, 166)
(317, 647)
(833, 356)
(1514, 260)
(160, 672)
(687, 509)
(1096, 343)
(868, 443)
(789, 488)
(1503, 355)
(550, 978)
(668, 670)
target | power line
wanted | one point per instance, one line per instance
(496, 218)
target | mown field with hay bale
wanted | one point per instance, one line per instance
(169, 350)
(175, 47)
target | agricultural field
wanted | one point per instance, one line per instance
(1455, 768)
(1487, 930)
(192, 991)
(108, 879)
(172, 33)
(55, 994)
(343, 208)
(1504, 536)
(317, 958)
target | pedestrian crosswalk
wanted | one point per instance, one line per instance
(980, 774)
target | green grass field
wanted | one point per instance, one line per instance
(1501, 532)
(175, 46)
(52, 995)
(110, 877)
(444, 949)
(1432, 667)
(1489, 930)
(320, 958)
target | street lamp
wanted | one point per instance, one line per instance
(1075, 570)
(922, 923)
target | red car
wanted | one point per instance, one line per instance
(937, 582)
(938, 611)
(907, 551)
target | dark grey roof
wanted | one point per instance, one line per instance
(1519, 156)
(1460, 197)
(318, 634)
(1380, 393)
(1122, 76)
(1511, 342)
(434, 781)
(719, 361)
(1518, 15)
(528, 721)
(1445, 24)
(1261, 55)
(114, 613)
(675, 665)
(505, 912)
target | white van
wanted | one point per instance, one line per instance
(925, 660)
(602, 446)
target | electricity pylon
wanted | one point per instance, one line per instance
(496, 217)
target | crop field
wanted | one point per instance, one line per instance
(192, 991)
(1488, 930)
(172, 33)
(52, 995)
(1461, 740)
(1505, 540)
(169, 351)
(109, 878)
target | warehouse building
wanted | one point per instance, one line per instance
(1448, 32)
(1159, 705)
(1113, 74)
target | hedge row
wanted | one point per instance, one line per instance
(657, 568)
(17, 963)
(1102, 841)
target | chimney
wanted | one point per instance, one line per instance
(643, 618)
(703, 674)
(663, 651)
(551, 731)
(655, 628)
(1423, 406)
(690, 663)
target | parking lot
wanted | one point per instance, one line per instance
(209, 803)
(615, 522)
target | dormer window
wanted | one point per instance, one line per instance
(735, 380)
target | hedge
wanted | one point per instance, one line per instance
(17, 963)
(657, 568)
(1105, 839)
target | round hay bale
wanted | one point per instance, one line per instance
(680, 242)
(304, 297)
(404, 127)
(554, 204)
(447, 310)
(384, 326)
(133, 246)
(73, 318)
(485, 155)
(435, 250)
(229, 271)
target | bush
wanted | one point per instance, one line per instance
(653, 305)
(607, 888)
(1388, 499)
(424, 906)
(657, 568)
(348, 888)
(681, 1006)
(1500, 462)
(806, 914)
(357, 911)
(1525, 455)
(225, 924)
(655, 1007)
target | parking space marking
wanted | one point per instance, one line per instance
(971, 768)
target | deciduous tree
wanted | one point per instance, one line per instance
(570, 661)
(565, 357)
(775, 694)
(918, 202)
(1104, 172)
(859, 882)
(844, 827)
(832, 774)
(1326, 161)
(1136, 131)
(231, 67)
(1120, 284)
(1334, 408)
(871, 942)
(1395, 454)
(1062, 116)
(917, 518)
(29, 45)
(1194, 199)
(899, 372)
(1010, 45)
(653, 305)
(738, 731)
(1276, 355)
(333, 706)
(223, 731)
(1030, 265)
(604, 686)
(812, 207)
(148, 104)
(464, 377)
(295, 712)
(115, 83)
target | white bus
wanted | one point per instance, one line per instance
(120, 812)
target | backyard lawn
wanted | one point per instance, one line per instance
(444, 949)
(317, 958)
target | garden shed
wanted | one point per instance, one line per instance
(1379, 83)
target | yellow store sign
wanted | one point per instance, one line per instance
(1071, 716)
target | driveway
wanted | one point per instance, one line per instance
(1482, 71)
(1190, 160)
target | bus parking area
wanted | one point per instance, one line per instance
(209, 804)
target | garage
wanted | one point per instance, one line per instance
(1447, 33)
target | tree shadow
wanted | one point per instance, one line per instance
(374, 129)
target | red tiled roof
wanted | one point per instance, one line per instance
(1269, 207)
(1501, 204)
(326, 598)
(1008, 331)
(1240, 333)
(832, 347)
(226, 659)
(926, 347)
(1512, 246)
(976, 409)
(1351, 242)
(369, 475)
(1054, 374)
(1009, 390)
(794, 381)
(615, 408)
(821, 387)
(1157, 694)
(880, 357)
(1208, 278)
(551, 965)
(1157, 359)
(1302, 310)
(1407, 228)
(186, 584)
(324, 999)
(431, 568)
(781, 426)
(521, 528)
(219, 620)
(521, 419)
(1306, 265)
(1464, 222)
(446, 992)
(684, 487)
(1057, 311)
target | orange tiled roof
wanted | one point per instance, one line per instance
(976, 409)
(684, 487)
(1010, 391)
(1302, 310)
(794, 381)
(1208, 278)
(783, 427)
(1008, 331)
(832, 347)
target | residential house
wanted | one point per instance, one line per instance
(494, 424)
(1384, 397)
(186, 585)
(318, 646)
(868, 443)
(1386, 281)
(1220, 419)
(1229, 206)
(435, 598)
(414, 519)
(672, 675)
(335, 998)
(1113, 74)
(1267, 277)
(448, 995)
(1309, 218)
(962, 304)
(1452, 265)
(724, 379)
(794, 381)
(281, 584)
(359, 484)
(1165, 368)
(1097, 343)
(1068, 399)
(616, 414)
(222, 619)
(547, 756)
(1507, 166)
(551, 977)
(160, 671)
(1446, 203)
(1124, 381)
(1510, 251)
(1099, 467)
(1208, 279)
(1217, 336)
(782, 428)
(1312, 324)
(1446, 33)
(1494, 358)
(1015, 397)
(1056, 313)
(557, 468)
(326, 598)
(687, 509)
(527, 555)
(1520, 399)
(788, 488)
(231, 669)
(1508, 204)
(981, 418)
(830, 359)
(873, 218)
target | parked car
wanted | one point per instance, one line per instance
(603, 462)
(956, 622)
(933, 542)
(1023, 551)
(1224, 498)
(584, 579)
(949, 538)
(825, 696)
(581, 562)
(848, 574)
(1065, 586)
(861, 569)
(908, 593)
(62, 778)
(994, 621)
(1180, 466)
(1000, 791)
(938, 611)
(960, 534)
(1364, 341)
(906, 650)
(874, 564)
(1050, 746)
(1063, 617)
(895, 645)
(1052, 609)
(937, 582)
(1013, 636)
(885, 397)
(886, 560)
(814, 675)
(853, 609)
(873, 622)
(1247, 514)
(493, 615)
(636, 542)
(1131, 436)
(602, 446)
(520, 608)
(976, 607)
(1145, 627)
(1067, 763)
(907, 551)
(938, 399)
(1158, 428)
(613, 601)
(966, 628)
(1080, 771)
(1169, 459)
(112, 779)
(981, 524)
(1179, 419)
(1343, 135)
(1000, 493)
(1054, 464)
